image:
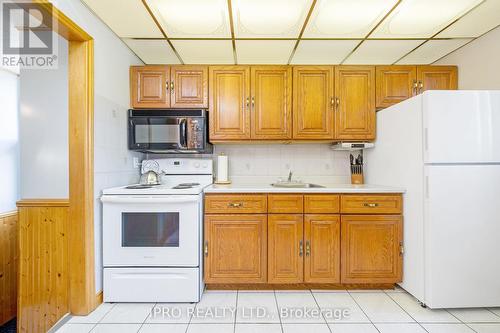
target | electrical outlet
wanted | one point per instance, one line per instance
(137, 162)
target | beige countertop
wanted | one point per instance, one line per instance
(329, 188)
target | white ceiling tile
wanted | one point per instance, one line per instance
(153, 51)
(422, 18)
(269, 19)
(477, 22)
(117, 15)
(192, 18)
(264, 51)
(432, 51)
(314, 52)
(346, 18)
(205, 51)
(381, 52)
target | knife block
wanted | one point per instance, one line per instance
(357, 179)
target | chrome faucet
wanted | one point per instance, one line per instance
(290, 176)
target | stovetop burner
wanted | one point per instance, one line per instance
(183, 186)
(139, 187)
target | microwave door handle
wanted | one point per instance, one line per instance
(183, 133)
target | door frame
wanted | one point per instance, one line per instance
(83, 298)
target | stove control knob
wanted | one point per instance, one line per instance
(197, 165)
(205, 165)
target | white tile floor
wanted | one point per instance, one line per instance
(316, 311)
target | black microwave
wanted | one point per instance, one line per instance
(168, 131)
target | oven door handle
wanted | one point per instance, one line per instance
(148, 199)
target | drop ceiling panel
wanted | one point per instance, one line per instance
(205, 51)
(117, 15)
(153, 51)
(315, 52)
(432, 51)
(381, 52)
(422, 18)
(264, 51)
(346, 18)
(269, 18)
(477, 22)
(192, 18)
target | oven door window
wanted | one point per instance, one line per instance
(150, 229)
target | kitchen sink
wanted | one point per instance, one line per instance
(296, 185)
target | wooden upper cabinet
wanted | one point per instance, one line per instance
(371, 248)
(235, 248)
(189, 87)
(322, 249)
(313, 88)
(285, 248)
(149, 86)
(395, 84)
(355, 102)
(437, 78)
(271, 102)
(229, 110)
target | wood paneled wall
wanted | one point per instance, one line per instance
(8, 266)
(43, 293)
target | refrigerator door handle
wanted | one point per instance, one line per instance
(427, 187)
(426, 139)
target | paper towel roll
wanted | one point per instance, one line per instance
(222, 168)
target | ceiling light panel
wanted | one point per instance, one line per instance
(317, 52)
(264, 51)
(269, 18)
(432, 51)
(346, 18)
(116, 14)
(477, 22)
(152, 51)
(422, 18)
(381, 52)
(192, 18)
(205, 51)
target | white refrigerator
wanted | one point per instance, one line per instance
(444, 148)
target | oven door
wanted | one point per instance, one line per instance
(151, 230)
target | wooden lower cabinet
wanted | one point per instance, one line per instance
(322, 249)
(285, 248)
(371, 248)
(235, 248)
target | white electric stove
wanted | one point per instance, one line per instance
(152, 236)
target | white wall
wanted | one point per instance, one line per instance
(112, 161)
(44, 129)
(9, 141)
(308, 162)
(478, 62)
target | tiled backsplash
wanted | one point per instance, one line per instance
(308, 162)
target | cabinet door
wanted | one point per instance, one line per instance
(322, 249)
(229, 103)
(394, 84)
(285, 248)
(235, 248)
(149, 86)
(313, 103)
(437, 78)
(189, 86)
(355, 102)
(371, 248)
(271, 101)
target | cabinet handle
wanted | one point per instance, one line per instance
(248, 102)
(253, 102)
(206, 249)
(235, 204)
(301, 248)
(420, 86)
(171, 87)
(167, 85)
(371, 205)
(401, 248)
(415, 87)
(337, 102)
(332, 102)
(308, 249)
